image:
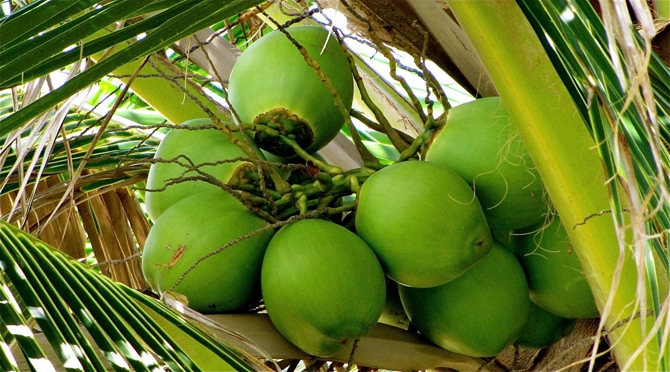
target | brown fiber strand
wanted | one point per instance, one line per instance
(89, 223)
(570, 350)
(522, 362)
(104, 239)
(122, 237)
(135, 215)
(65, 232)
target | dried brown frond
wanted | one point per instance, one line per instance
(106, 222)
(65, 232)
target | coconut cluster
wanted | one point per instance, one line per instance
(462, 240)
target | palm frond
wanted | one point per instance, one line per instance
(620, 87)
(113, 314)
(184, 21)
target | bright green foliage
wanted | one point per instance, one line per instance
(181, 19)
(64, 298)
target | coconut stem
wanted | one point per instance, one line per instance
(384, 125)
(330, 169)
(320, 194)
(422, 140)
(246, 147)
(392, 63)
(430, 79)
(281, 185)
(406, 138)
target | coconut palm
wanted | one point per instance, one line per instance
(593, 97)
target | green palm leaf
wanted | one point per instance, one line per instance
(58, 295)
(182, 22)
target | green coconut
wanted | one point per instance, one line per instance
(478, 314)
(555, 276)
(197, 226)
(200, 146)
(271, 84)
(543, 328)
(482, 145)
(322, 285)
(423, 221)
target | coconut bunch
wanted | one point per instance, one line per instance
(458, 230)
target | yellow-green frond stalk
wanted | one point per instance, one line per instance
(567, 159)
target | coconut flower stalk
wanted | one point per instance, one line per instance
(566, 157)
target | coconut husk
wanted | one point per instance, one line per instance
(572, 352)
(516, 359)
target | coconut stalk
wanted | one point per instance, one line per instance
(662, 9)
(567, 160)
